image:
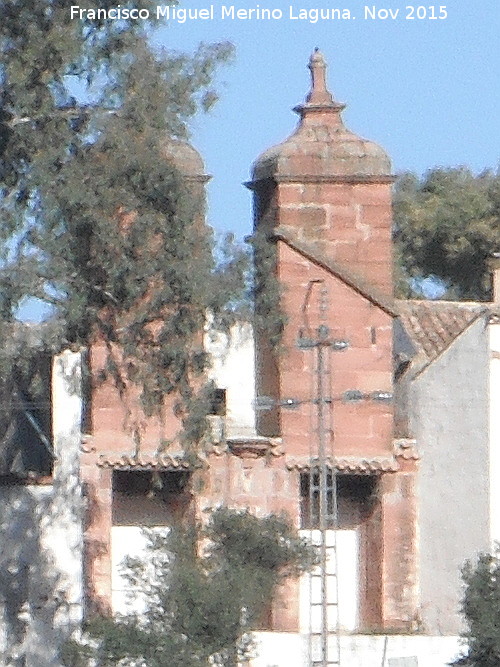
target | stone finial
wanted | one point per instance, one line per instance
(319, 97)
(319, 92)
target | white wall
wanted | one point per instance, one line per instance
(130, 542)
(41, 538)
(494, 400)
(346, 543)
(233, 369)
(126, 542)
(63, 532)
(275, 649)
(450, 420)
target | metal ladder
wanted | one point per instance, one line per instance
(324, 648)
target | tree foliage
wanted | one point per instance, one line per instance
(266, 289)
(200, 607)
(447, 224)
(97, 220)
(481, 609)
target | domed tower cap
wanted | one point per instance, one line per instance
(322, 148)
(186, 159)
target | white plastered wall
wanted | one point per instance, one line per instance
(129, 542)
(41, 537)
(64, 537)
(346, 566)
(494, 412)
(233, 369)
(274, 649)
(126, 542)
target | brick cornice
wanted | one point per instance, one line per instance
(348, 465)
(117, 461)
(404, 449)
(315, 178)
(340, 178)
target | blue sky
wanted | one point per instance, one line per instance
(426, 90)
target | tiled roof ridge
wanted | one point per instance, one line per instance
(434, 325)
(142, 461)
(348, 464)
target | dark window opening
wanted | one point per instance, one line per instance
(218, 402)
(352, 503)
(147, 483)
(26, 451)
(373, 335)
(151, 498)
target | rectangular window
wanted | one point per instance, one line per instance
(354, 497)
(157, 500)
(26, 448)
(150, 483)
(218, 402)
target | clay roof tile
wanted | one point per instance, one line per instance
(433, 325)
(142, 461)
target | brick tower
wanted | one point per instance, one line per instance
(124, 452)
(324, 197)
(329, 186)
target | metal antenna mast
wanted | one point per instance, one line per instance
(323, 487)
(328, 515)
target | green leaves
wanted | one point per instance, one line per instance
(446, 226)
(242, 539)
(205, 589)
(481, 608)
(266, 292)
(97, 216)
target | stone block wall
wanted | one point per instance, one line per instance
(351, 222)
(313, 296)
